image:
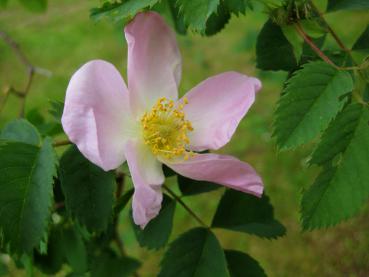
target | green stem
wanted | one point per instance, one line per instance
(26, 91)
(61, 143)
(184, 205)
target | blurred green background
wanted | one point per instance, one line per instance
(64, 38)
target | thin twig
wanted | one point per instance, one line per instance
(4, 98)
(15, 47)
(31, 70)
(61, 143)
(319, 52)
(184, 205)
(331, 31)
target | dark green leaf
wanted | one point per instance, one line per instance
(121, 10)
(217, 21)
(343, 186)
(197, 12)
(168, 172)
(88, 190)
(51, 262)
(363, 41)
(309, 101)
(241, 265)
(177, 17)
(35, 5)
(156, 234)
(45, 128)
(26, 178)
(242, 212)
(195, 253)
(338, 136)
(109, 264)
(191, 187)
(334, 5)
(75, 250)
(21, 130)
(366, 93)
(273, 51)
(123, 201)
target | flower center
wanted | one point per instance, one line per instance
(165, 129)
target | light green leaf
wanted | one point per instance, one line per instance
(20, 130)
(309, 101)
(313, 28)
(294, 39)
(35, 5)
(88, 190)
(237, 6)
(121, 10)
(273, 50)
(334, 5)
(217, 21)
(195, 253)
(26, 186)
(343, 186)
(246, 213)
(362, 44)
(241, 265)
(197, 12)
(156, 234)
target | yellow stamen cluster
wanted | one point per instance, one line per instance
(165, 129)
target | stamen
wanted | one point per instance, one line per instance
(165, 129)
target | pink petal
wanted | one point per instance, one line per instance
(224, 170)
(147, 176)
(216, 106)
(95, 111)
(154, 61)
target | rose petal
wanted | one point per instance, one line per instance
(96, 113)
(216, 106)
(154, 61)
(147, 176)
(224, 170)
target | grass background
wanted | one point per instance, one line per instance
(64, 38)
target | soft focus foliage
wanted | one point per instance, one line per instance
(62, 215)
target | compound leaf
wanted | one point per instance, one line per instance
(88, 190)
(26, 178)
(309, 102)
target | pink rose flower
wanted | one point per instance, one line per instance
(147, 125)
